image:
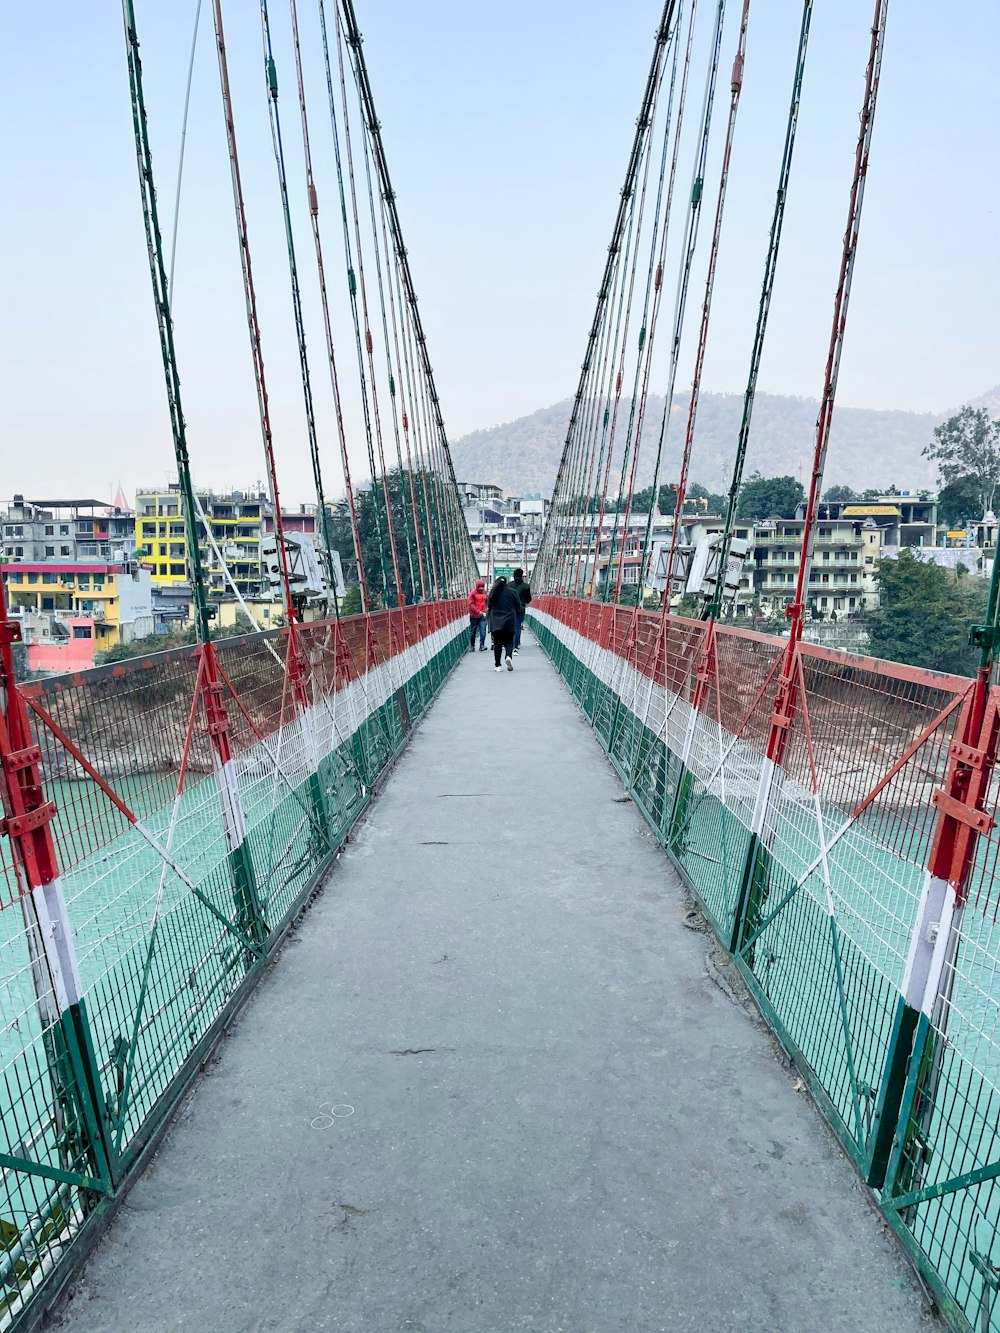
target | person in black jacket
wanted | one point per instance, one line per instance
(503, 606)
(522, 591)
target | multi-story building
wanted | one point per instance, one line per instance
(236, 521)
(906, 519)
(114, 600)
(845, 563)
(67, 530)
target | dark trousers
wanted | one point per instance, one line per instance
(503, 641)
(475, 625)
(518, 622)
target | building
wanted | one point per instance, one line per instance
(66, 530)
(845, 563)
(236, 521)
(906, 519)
(114, 601)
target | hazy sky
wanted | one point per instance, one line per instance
(507, 130)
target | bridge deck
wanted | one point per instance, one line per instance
(493, 1084)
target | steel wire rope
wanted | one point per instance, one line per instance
(599, 408)
(585, 427)
(448, 533)
(680, 308)
(764, 309)
(585, 431)
(583, 436)
(706, 309)
(253, 328)
(369, 342)
(647, 333)
(652, 79)
(196, 499)
(624, 347)
(611, 352)
(388, 348)
(658, 288)
(649, 281)
(183, 144)
(352, 289)
(313, 197)
(839, 325)
(410, 421)
(354, 40)
(274, 118)
(392, 270)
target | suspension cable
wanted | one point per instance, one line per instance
(604, 292)
(736, 88)
(680, 307)
(714, 607)
(253, 326)
(271, 76)
(369, 343)
(354, 42)
(313, 197)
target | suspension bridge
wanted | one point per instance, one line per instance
(561, 1032)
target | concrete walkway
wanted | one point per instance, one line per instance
(491, 1084)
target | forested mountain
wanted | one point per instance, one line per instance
(867, 448)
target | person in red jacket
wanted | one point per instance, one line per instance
(477, 616)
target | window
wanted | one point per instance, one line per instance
(177, 571)
(98, 580)
(19, 551)
(63, 529)
(823, 601)
(49, 530)
(32, 578)
(162, 549)
(50, 550)
(162, 571)
(82, 632)
(48, 603)
(64, 550)
(50, 578)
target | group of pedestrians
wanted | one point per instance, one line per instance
(502, 612)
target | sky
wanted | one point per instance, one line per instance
(507, 131)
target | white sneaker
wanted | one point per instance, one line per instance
(496, 668)
(510, 665)
(516, 651)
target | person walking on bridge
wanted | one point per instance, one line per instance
(503, 605)
(522, 591)
(477, 616)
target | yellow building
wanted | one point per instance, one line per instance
(236, 521)
(117, 600)
(266, 614)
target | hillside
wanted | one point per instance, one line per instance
(867, 448)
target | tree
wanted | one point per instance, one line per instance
(924, 615)
(769, 497)
(967, 447)
(840, 495)
(959, 503)
(351, 605)
(410, 529)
